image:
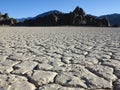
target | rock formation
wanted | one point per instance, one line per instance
(75, 18)
(6, 20)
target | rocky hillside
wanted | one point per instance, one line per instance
(114, 19)
(77, 17)
(6, 20)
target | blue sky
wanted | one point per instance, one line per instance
(30, 8)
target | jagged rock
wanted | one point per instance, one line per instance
(5, 20)
(77, 17)
(6, 16)
(79, 11)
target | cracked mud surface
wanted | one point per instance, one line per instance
(59, 58)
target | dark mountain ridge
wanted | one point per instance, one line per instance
(77, 17)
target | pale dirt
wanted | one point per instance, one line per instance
(59, 58)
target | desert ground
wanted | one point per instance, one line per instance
(59, 58)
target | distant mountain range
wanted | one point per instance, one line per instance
(40, 15)
(77, 17)
(114, 19)
(23, 19)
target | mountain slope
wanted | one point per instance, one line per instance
(48, 13)
(114, 19)
(23, 19)
(41, 15)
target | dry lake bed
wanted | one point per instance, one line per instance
(59, 58)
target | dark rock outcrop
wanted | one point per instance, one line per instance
(5, 20)
(95, 21)
(75, 18)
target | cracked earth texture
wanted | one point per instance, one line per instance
(59, 58)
